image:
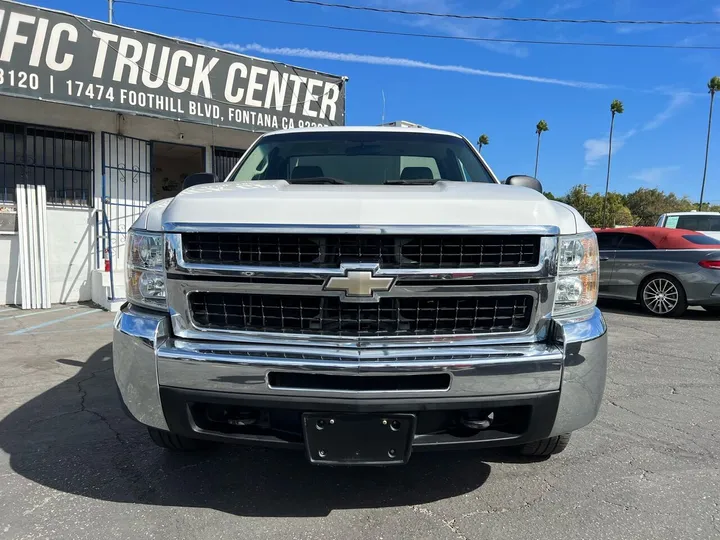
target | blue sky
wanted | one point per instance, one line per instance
(659, 140)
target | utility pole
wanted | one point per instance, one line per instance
(110, 11)
(707, 152)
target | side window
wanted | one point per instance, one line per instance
(634, 242)
(607, 241)
(708, 223)
(701, 239)
(672, 222)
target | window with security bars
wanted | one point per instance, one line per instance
(224, 159)
(61, 159)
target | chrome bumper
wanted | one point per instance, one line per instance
(146, 357)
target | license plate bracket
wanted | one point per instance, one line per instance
(358, 439)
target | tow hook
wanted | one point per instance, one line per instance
(242, 419)
(478, 422)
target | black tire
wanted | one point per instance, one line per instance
(663, 296)
(715, 310)
(177, 443)
(546, 447)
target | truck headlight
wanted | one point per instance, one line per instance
(577, 283)
(144, 270)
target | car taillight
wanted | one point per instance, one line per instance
(714, 265)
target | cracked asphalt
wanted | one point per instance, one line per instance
(73, 466)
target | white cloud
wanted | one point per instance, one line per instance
(506, 5)
(654, 175)
(562, 7)
(460, 28)
(398, 62)
(484, 29)
(694, 40)
(678, 100)
(635, 28)
(595, 149)
(598, 148)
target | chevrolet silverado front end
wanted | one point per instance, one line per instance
(361, 294)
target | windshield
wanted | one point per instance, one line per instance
(694, 223)
(362, 158)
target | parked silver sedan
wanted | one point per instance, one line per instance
(666, 270)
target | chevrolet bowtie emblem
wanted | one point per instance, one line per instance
(359, 283)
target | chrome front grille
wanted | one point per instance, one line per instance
(330, 316)
(450, 285)
(390, 251)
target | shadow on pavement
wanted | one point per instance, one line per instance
(76, 439)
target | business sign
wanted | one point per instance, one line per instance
(63, 58)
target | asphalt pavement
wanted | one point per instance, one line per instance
(73, 466)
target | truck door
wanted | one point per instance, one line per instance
(607, 244)
(634, 257)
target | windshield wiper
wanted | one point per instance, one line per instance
(412, 182)
(316, 180)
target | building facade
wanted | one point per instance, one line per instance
(110, 119)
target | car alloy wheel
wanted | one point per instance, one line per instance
(661, 295)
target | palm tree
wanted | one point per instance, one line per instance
(713, 86)
(616, 107)
(541, 126)
(482, 141)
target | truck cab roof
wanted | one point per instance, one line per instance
(363, 129)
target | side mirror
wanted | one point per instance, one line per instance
(199, 178)
(524, 181)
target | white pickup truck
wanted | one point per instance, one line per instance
(707, 223)
(361, 293)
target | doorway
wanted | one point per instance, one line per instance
(172, 163)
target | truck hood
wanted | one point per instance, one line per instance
(279, 203)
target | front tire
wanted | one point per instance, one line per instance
(176, 443)
(546, 447)
(663, 296)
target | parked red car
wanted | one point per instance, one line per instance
(666, 270)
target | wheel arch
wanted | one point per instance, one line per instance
(656, 273)
(681, 304)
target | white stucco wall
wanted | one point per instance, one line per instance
(9, 269)
(71, 231)
(71, 253)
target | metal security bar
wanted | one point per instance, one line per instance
(126, 191)
(224, 159)
(60, 159)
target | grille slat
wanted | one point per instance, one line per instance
(324, 315)
(313, 356)
(391, 251)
